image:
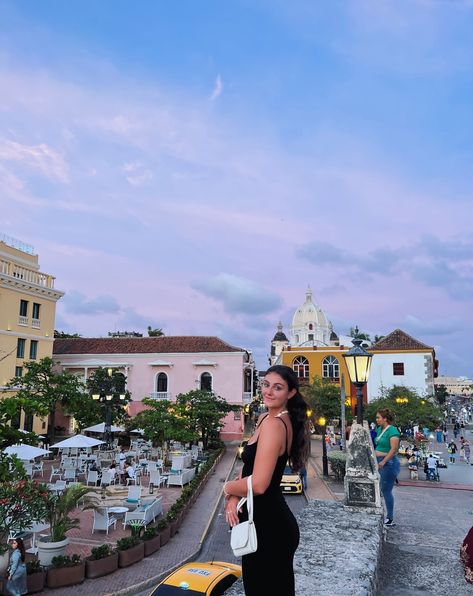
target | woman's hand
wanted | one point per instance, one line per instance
(381, 465)
(231, 514)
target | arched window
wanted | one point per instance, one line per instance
(330, 368)
(297, 338)
(310, 326)
(162, 383)
(300, 365)
(206, 381)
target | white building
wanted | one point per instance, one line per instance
(399, 359)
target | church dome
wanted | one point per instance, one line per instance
(309, 313)
(280, 335)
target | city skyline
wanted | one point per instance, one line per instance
(194, 167)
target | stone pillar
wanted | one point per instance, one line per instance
(361, 475)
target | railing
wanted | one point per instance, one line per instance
(35, 323)
(247, 397)
(160, 395)
(23, 321)
(28, 275)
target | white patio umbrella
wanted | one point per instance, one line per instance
(100, 428)
(79, 441)
(25, 452)
(138, 430)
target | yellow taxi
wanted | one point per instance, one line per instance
(211, 579)
(291, 482)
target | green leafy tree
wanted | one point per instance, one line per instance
(10, 410)
(357, 334)
(65, 335)
(102, 383)
(42, 389)
(155, 332)
(204, 411)
(162, 421)
(323, 398)
(441, 394)
(408, 408)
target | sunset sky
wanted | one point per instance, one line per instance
(194, 165)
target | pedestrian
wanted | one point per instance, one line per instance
(431, 466)
(438, 432)
(16, 572)
(466, 446)
(462, 449)
(281, 434)
(303, 475)
(452, 450)
(373, 433)
(387, 445)
(445, 436)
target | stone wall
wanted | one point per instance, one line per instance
(339, 551)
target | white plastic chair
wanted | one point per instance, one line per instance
(69, 474)
(103, 520)
(92, 476)
(55, 472)
(134, 493)
(156, 479)
(106, 478)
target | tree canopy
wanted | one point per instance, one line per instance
(323, 397)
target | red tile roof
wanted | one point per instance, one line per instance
(399, 340)
(142, 345)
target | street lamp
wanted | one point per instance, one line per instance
(358, 362)
(109, 400)
(323, 424)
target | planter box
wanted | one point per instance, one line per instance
(65, 576)
(132, 555)
(152, 545)
(165, 535)
(35, 581)
(99, 567)
(173, 527)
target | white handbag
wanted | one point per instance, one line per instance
(244, 540)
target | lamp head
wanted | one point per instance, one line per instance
(322, 421)
(95, 396)
(358, 362)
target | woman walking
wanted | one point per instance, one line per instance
(281, 434)
(16, 573)
(387, 445)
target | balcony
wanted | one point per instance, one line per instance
(247, 397)
(23, 321)
(160, 395)
(35, 323)
(24, 274)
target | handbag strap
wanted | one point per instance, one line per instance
(248, 499)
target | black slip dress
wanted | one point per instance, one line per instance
(269, 571)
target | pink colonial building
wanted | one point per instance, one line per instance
(163, 367)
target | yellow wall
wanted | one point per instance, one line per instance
(21, 279)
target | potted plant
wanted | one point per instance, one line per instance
(65, 571)
(34, 576)
(173, 517)
(102, 561)
(152, 540)
(164, 531)
(130, 550)
(58, 510)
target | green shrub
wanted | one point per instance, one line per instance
(66, 561)
(33, 566)
(100, 552)
(338, 461)
(162, 524)
(127, 542)
(150, 532)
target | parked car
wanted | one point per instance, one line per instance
(291, 482)
(241, 447)
(211, 579)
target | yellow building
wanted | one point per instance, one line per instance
(27, 313)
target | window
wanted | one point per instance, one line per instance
(33, 349)
(28, 424)
(18, 371)
(206, 381)
(23, 308)
(162, 383)
(398, 368)
(300, 365)
(311, 337)
(330, 368)
(20, 348)
(36, 308)
(15, 421)
(310, 326)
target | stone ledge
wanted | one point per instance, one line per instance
(339, 551)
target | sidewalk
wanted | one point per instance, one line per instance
(317, 488)
(184, 546)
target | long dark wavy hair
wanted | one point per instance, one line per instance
(297, 409)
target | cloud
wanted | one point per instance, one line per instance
(78, 304)
(433, 327)
(131, 318)
(40, 157)
(238, 295)
(218, 89)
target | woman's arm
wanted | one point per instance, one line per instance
(394, 442)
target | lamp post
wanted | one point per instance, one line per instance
(358, 362)
(109, 400)
(323, 424)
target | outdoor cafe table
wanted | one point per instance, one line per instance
(118, 510)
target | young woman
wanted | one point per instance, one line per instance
(281, 434)
(16, 573)
(387, 445)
